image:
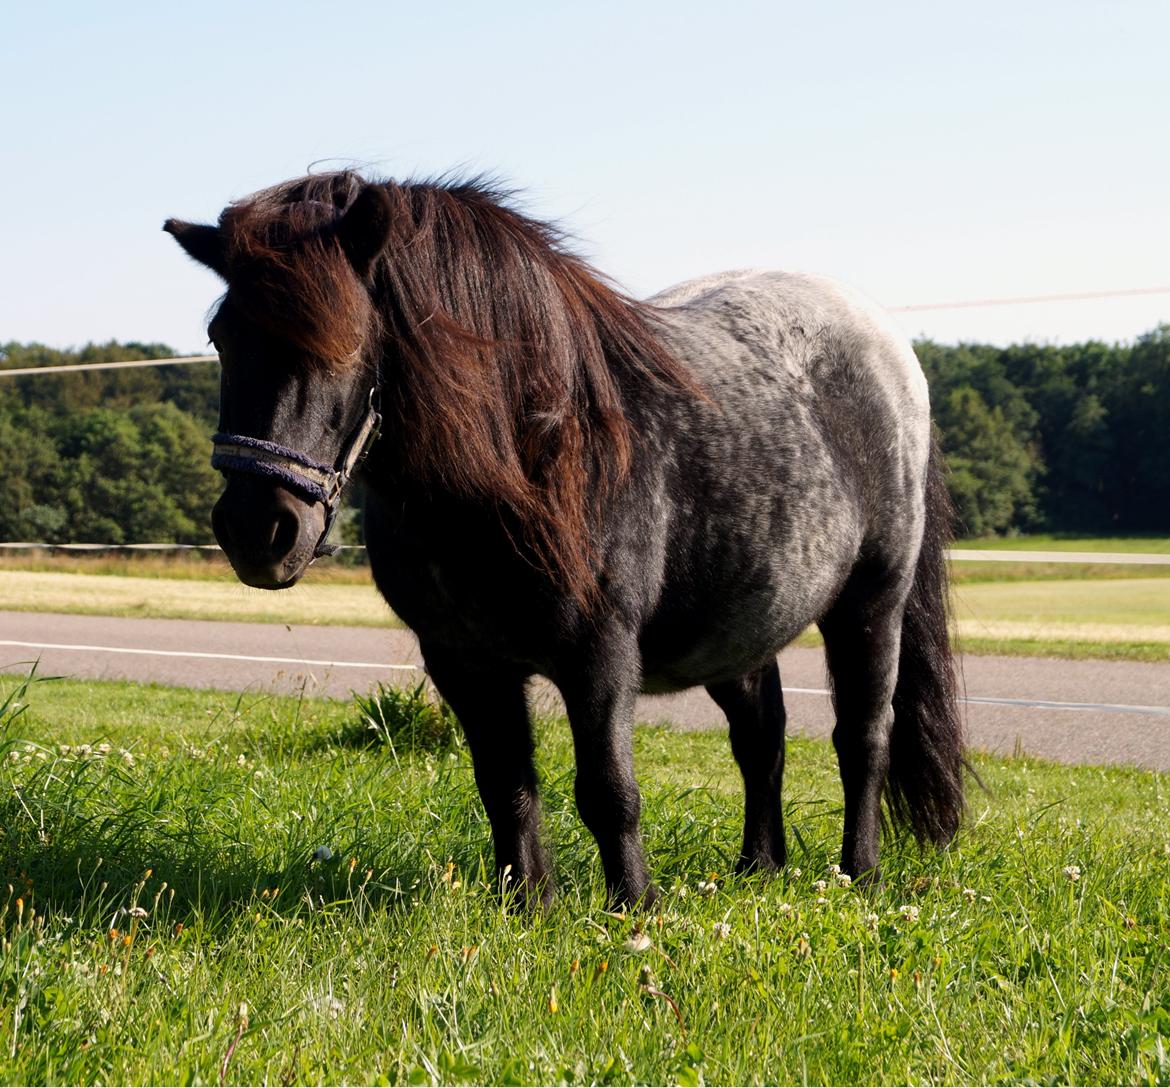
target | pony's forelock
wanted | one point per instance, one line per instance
(287, 273)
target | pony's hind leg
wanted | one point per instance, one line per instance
(862, 635)
(754, 705)
(493, 710)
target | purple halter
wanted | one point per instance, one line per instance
(309, 478)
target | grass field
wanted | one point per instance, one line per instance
(1072, 617)
(311, 602)
(1048, 542)
(166, 921)
(186, 566)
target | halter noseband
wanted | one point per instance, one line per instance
(315, 481)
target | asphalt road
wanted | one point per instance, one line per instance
(1071, 711)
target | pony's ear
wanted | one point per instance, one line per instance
(201, 242)
(364, 230)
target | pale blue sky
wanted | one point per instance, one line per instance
(920, 151)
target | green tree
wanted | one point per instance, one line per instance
(991, 471)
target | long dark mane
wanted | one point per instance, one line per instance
(510, 363)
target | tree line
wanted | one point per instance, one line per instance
(1037, 438)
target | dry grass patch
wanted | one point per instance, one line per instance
(182, 598)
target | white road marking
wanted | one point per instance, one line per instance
(200, 654)
(1031, 704)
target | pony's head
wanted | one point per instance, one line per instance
(299, 342)
(507, 366)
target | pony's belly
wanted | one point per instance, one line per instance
(715, 656)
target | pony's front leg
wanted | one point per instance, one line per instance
(600, 688)
(493, 710)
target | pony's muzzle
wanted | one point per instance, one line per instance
(268, 533)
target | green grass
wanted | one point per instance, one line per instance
(1123, 619)
(983, 964)
(965, 572)
(1065, 542)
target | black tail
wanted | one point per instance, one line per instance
(925, 785)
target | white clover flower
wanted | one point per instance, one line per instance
(638, 942)
(241, 760)
(969, 894)
(104, 749)
(843, 880)
(834, 870)
(797, 874)
(786, 910)
(822, 901)
(721, 930)
(707, 888)
(1072, 873)
(872, 920)
(127, 756)
(908, 912)
(820, 885)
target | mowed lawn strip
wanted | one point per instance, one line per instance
(168, 922)
(1046, 542)
(1076, 617)
(184, 598)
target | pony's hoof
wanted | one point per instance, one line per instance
(527, 895)
(759, 863)
(868, 879)
(624, 899)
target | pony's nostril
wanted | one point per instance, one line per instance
(284, 534)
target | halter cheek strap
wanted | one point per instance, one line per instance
(293, 469)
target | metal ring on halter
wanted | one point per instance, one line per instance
(310, 478)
